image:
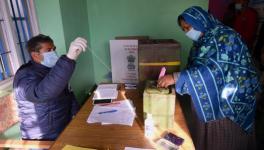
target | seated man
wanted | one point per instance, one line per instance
(45, 102)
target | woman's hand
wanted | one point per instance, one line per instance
(166, 81)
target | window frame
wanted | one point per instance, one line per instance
(10, 35)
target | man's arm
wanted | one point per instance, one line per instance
(39, 90)
(75, 105)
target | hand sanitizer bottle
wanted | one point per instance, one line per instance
(149, 126)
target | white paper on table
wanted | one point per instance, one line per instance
(105, 91)
(124, 115)
(107, 87)
(105, 94)
(104, 123)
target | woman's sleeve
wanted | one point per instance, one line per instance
(180, 85)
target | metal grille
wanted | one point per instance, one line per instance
(4, 56)
(4, 62)
(19, 13)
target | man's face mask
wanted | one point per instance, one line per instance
(193, 34)
(49, 59)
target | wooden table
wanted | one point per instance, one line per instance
(117, 137)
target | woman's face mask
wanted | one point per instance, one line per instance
(238, 6)
(193, 34)
(49, 59)
(190, 31)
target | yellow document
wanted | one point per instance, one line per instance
(70, 147)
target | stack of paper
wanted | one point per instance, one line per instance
(118, 113)
(106, 91)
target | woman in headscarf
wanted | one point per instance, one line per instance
(222, 82)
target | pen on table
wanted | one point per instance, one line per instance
(109, 111)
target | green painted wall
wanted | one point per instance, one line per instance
(156, 18)
(64, 20)
(75, 24)
(50, 22)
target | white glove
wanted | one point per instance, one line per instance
(77, 46)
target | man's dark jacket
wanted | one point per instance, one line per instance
(45, 102)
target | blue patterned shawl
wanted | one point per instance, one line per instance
(219, 76)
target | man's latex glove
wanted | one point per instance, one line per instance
(77, 46)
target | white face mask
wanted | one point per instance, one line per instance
(49, 59)
(193, 34)
(238, 6)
